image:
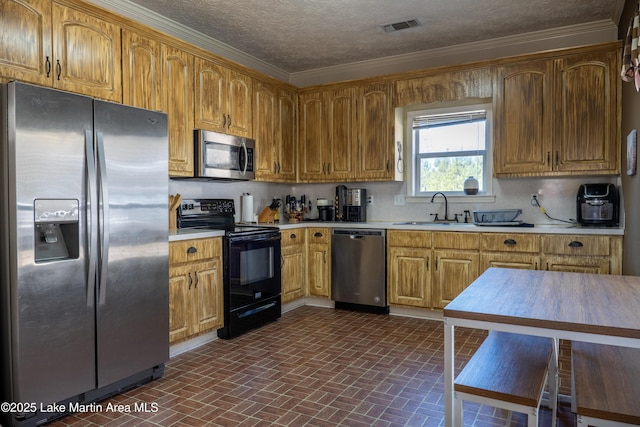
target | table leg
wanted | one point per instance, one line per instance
(451, 415)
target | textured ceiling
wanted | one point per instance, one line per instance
(301, 35)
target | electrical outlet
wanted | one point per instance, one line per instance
(534, 200)
(370, 200)
(398, 200)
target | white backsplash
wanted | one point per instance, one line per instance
(556, 195)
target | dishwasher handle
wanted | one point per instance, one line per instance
(358, 233)
(354, 237)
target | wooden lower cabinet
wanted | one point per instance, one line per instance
(409, 277)
(408, 268)
(293, 264)
(582, 253)
(319, 261)
(195, 288)
(429, 269)
(454, 271)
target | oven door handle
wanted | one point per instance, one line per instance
(254, 239)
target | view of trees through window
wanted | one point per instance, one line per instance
(449, 149)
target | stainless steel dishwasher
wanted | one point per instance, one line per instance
(359, 269)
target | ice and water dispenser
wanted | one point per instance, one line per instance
(56, 231)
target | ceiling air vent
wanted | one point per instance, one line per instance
(403, 25)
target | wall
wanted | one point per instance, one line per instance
(557, 196)
(630, 184)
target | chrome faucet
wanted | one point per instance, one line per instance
(446, 209)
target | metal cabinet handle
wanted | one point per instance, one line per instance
(58, 68)
(190, 280)
(292, 236)
(317, 234)
(548, 158)
(575, 244)
(224, 120)
(509, 242)
(229, 125)
(197, 279)
(47, 66)
(192, 250)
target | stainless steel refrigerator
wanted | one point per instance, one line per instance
(84, 248)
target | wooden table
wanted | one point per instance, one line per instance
(595, 308)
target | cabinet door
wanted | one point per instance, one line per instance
(207, 289)
(293, 272)
(210, 96)
(409, 277)
(141, 71)
(177, 88)
(239, 96)
(592, 265)
(311, 155)
(87, 54)
(341, 120)
(180, 324)
(375, 133)
(587, 104)
(319, 270)
(286, 136)
(454, 271)
(25, 41)
(523, 121)
(264, 123)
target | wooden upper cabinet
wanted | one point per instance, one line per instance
(374, 148)
(559, 116)
(274, 129)
(311, 148)
(177, 87)
(25, 41)
(523, 118)
(223, 99)
(141, 71)
(340, 142)
(588, 99)
(287, 135)
(87, 54)
(264, 123)
(53, 45)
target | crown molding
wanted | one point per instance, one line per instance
(158, 22)
(556, 38)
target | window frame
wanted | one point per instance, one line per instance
(412, 158)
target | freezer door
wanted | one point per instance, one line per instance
(133, 274)
(48, 304)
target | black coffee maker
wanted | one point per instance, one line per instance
(351, 204)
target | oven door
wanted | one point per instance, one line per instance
(252, 269)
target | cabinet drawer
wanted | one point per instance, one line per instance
(453, 240)
(575, 245)
(295, 236)
(510, 242)
(193, 250)
(319, 235)
(409, 239)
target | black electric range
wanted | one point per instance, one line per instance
(251, 264)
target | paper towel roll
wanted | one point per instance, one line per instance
(247, 208)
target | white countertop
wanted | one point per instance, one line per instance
(200, 233)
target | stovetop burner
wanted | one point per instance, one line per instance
(217, 214)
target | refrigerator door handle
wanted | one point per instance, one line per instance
(91, 217)
(104, 218)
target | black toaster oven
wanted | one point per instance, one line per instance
(598, 204)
